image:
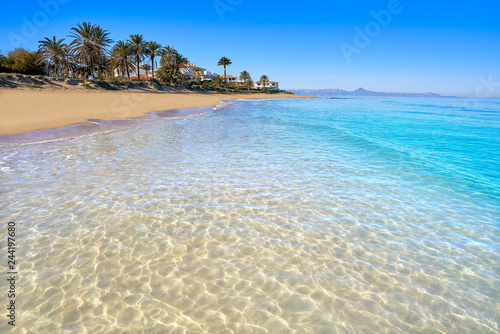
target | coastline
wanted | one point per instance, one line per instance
(30, 110)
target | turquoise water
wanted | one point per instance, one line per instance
(365, 215)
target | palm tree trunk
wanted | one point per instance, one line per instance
(91, 68)
(126, 66)
(225, 79)
(138, 73)
(153, 68)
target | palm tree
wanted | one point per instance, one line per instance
(264, 79)
(245, 76)
(153, 49)
(108, 67)
(138, 47)
(224, 61)
(120, 54)
(146, 68)
(89, 45)
(168, 54)
(167, 61)
(171, 64)
(249, 83)
(53, 52)
(82, 46)
(101, 41)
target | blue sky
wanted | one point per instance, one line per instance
(451, 48)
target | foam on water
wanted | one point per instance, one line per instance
(317, 216)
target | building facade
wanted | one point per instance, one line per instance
(267, 84)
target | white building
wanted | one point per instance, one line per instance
(187, 69)
(231, 78)
(235, 80)
(268, 84)
(207, 75)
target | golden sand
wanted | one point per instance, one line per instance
(28, 110)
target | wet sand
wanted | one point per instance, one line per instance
(29, 110)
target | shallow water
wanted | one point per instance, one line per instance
(309, 216)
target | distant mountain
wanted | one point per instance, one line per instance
(357, 92)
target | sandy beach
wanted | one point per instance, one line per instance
(29, 110)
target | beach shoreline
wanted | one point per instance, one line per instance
(30, 110)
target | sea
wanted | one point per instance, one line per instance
(327, 215)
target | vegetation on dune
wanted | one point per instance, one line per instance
(218, 81)
(88, 53)
(8, 80)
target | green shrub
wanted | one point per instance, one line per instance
(25, 62)
(6, 64)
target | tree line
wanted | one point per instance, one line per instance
(90, 53)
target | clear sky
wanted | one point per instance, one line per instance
(447, 47)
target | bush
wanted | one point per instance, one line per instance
(6, 64)
(25, 62)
